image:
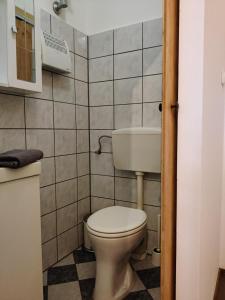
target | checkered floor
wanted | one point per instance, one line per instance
(74, 277)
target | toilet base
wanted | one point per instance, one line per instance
(126, 283)
(114, 274)
(140, 253)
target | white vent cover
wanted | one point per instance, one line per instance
(55, 53)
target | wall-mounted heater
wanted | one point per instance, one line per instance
(55, 53)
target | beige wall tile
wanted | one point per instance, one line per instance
(102, 186)
(83, 209)
(128, 91)
(152, 117)
(106, 142)
(128, 38)
(67, 242)
(12, 139)
(101, 44)
(11, 112)
(82, 141)
(48, 199)
(46, 87)
(128, 65)
(82, 117)
(47, 171)
(64, 116)
(65, 167)
(63, 89)
(48, 227)
(127, 116)
(100, 203)
(42, 140)
(101, 93)
(102, 164)
(152, 61)
(101, 117)
(83, 164)
(83, 187)
(66, 218)
(39, 113)
(66, 193)
(81, 93)
(65, 142)
(101, 69)
(81, 68)
(49, 254)
(80, 40)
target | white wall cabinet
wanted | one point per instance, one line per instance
(20, 47)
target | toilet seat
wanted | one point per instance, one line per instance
(116, 221)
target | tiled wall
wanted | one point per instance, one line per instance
(56, 121)
(125, 90)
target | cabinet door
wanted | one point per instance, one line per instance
(25, 68)
(25, 40)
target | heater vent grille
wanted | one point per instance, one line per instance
(55, 53)
(55, 43)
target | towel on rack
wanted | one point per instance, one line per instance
(15, 159)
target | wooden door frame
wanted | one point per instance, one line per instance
(169, 149)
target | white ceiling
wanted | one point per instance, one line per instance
(92, 16)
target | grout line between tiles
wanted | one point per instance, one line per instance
(124, 78)
(124, 52)
(89, 125)
(125, 104)
(60, 208)
(124, 177)
(54, 139)
(64, 180)
(125, 201)
(75, 116)
(114, 111)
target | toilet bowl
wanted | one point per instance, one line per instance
(114, 233)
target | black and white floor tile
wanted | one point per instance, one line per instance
(74, 278)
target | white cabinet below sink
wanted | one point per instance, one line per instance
(20, 234)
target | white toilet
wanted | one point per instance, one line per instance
(115, 232)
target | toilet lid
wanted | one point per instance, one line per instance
(116, 219)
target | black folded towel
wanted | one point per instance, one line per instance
(15, 159)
